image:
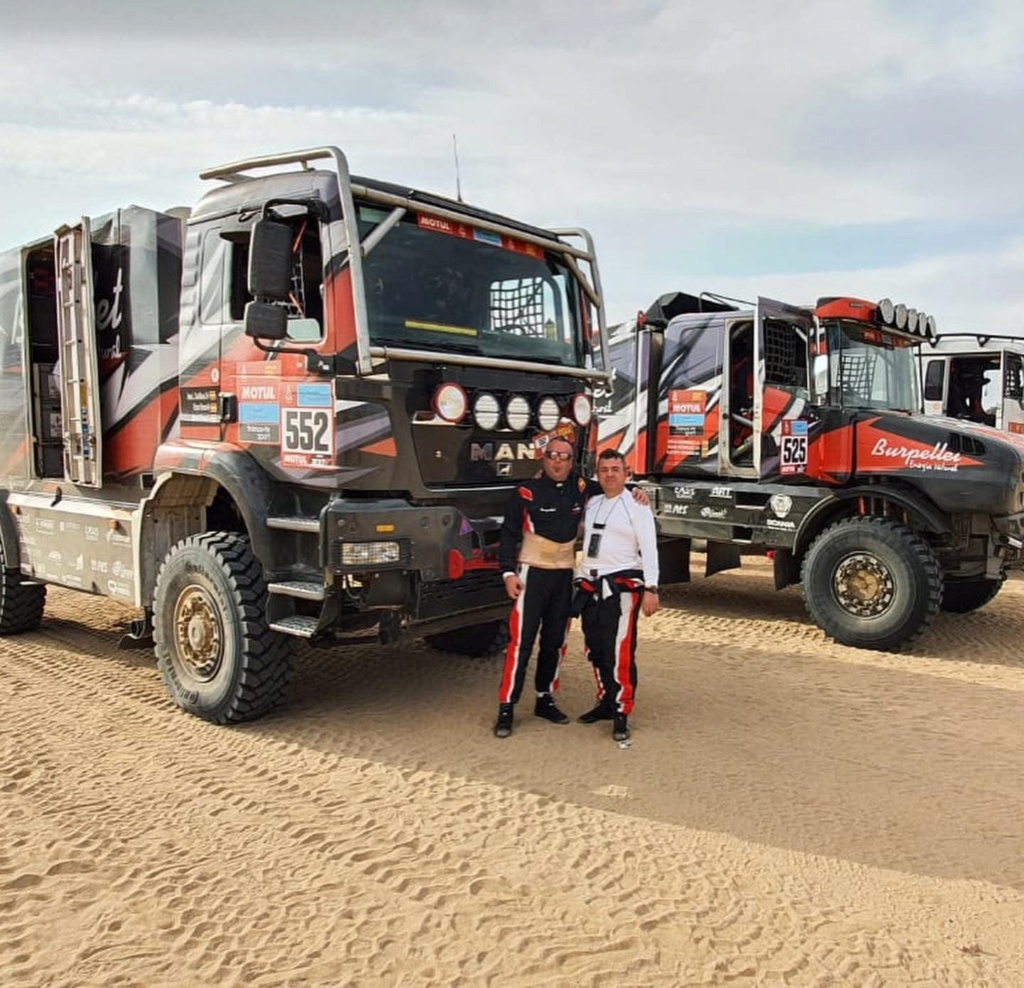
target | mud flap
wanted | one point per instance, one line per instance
(785, 568)
(674, 561)
(721, 555)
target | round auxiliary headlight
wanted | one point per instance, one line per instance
(517, 413)
(450, 402)
(548, 414)
(486, 411)
(581, 409)
(887, 311)
(901, 316)
(911, 320)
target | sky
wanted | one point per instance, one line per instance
(787, 149)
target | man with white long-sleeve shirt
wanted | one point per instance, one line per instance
(618, 577)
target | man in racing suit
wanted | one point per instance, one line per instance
(537, 557)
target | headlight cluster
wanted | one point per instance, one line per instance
(452, 404)
(906, 320)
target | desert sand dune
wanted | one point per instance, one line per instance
(789, 812)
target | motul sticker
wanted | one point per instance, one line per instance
(466, 232)
(686, 421)
(307, 427)
(793, 452)
(259, 412)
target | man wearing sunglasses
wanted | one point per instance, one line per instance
(537, 557)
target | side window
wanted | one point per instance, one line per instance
(785, 356)
(211, 285)
(934, 378)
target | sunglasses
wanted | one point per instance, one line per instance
(557, 454)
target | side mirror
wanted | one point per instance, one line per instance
(819, 371)
(270, 259)
(266, 321)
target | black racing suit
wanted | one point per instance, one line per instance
(553, 511)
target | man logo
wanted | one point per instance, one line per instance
(505, 469)
(501, 451)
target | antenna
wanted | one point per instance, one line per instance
(458, 180)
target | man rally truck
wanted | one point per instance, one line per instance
(293, 411)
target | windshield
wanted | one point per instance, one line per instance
(869, 368)
(437, 285)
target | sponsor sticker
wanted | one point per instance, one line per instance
(687, 416)
(793, 447)
(307, 427)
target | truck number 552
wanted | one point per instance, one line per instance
(306, 430)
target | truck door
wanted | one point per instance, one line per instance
(782, 408)
(77, 358)
(1011, 403)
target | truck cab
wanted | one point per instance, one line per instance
(798, 431)
(975, 378)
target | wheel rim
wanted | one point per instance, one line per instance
(198, 634)
(863, 585)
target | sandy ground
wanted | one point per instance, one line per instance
(789, 812)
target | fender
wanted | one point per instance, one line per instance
(235, 471)
(930, 518)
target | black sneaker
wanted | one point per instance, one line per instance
(601, 712)
(546, 708)
(503, 725)
(620, 728)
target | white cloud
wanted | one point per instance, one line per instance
(641, 120)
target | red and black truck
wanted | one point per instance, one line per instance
(798, 432)
(294, 410)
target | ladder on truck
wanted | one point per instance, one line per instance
(77, 345)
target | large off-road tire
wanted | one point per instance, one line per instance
(475, 641)
(962, 596)
(21, 604)
(218, 658)
(871, 583)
